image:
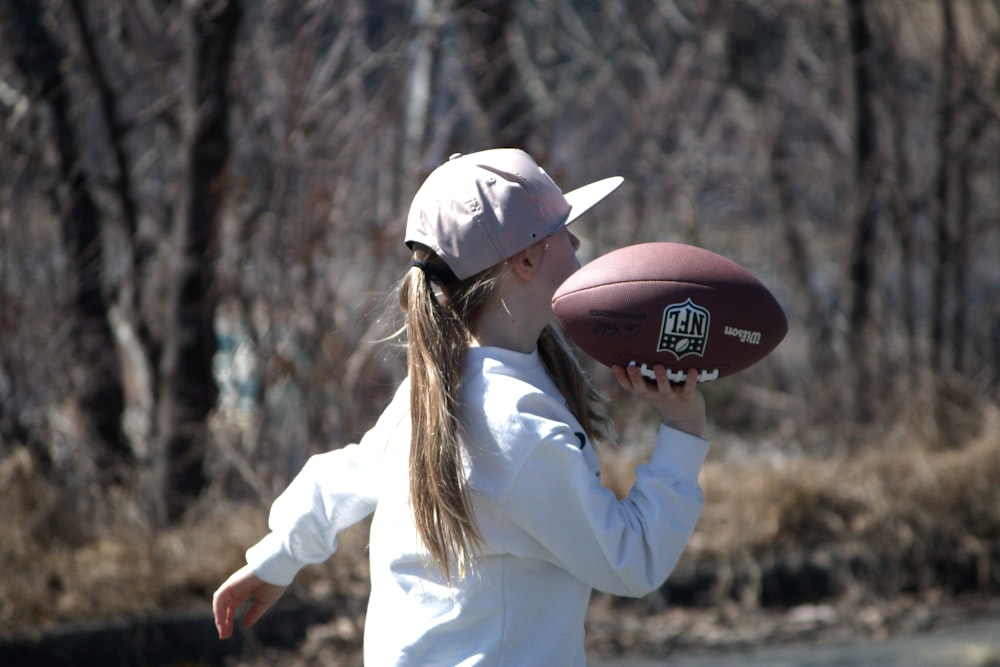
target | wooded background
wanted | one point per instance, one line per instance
(202, 206)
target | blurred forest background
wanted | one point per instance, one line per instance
(201, 214)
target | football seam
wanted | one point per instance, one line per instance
(729, 286)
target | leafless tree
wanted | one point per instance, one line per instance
(175, 340)
(227, 183)
(38, 56)
(868, 175)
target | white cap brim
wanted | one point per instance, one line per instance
(584, 198)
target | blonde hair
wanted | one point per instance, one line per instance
(439, 316)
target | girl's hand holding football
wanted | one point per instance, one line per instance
(681, 406)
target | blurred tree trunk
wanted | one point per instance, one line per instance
(187, 391)
(915, 380)
(978, 119)
(867, 177)
(40, 57)
(493, 72)
(959, 255)
(419, 91)
(820, 323)
(943, 194)
(902, 205)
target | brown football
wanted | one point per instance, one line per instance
(672, 304)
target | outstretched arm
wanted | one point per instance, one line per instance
(241, 586)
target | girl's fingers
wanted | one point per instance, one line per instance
(691, 382)
(224, 610)
(254, 612)
(629, 379)
(620, 376)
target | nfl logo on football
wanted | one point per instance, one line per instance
(685, 329)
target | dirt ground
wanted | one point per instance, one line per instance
(619, 631)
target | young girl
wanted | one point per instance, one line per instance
(491, 526)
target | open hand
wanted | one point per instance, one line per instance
(241, 586)
(681, 406)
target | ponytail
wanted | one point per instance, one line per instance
(438, 322)
(439, 313)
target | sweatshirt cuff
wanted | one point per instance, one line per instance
(271, 563)
(682, 454)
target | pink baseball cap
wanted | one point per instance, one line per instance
(477, 210)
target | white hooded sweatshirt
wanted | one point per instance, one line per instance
(551, 531)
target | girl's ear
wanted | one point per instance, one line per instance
(526, 262)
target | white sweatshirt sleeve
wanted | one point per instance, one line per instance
(333, 491)
(626, 547)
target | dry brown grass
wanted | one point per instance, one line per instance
(902, 520)
(73, 559)
(807, 502)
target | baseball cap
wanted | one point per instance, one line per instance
(476, 210)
